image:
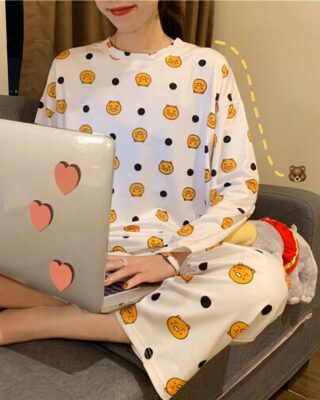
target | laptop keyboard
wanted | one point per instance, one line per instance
(114, 288)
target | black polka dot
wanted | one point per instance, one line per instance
(127, 53)
(135, 218)
(227, 139)
(148, 353)
(173, 86)
(141, 111)
(115, 81)
(190, 172)
(241, 210)
(201, 363)
(89, 56)
(60, 79)
(163, 193)
(217, 96)
(113, 135)
(266, 309)
(227, 184)
(137, 167)
(195, 118)
(259, 251)
(253, 166)
(213, 172)
(230, 96)
(168, 142)
(155, 296)
(86, 109)
(125, 237)
(206, 149)
(112, 190)
(202, 63)
(203, 266)
(185, 222)
(205, 301)
(40, 105)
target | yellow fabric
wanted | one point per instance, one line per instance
(245, 235)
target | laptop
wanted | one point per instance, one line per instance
(55, 198)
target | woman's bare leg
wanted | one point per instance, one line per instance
(14, 294)
(68, 321)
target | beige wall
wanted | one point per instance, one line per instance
(3, 51)
(279, 44)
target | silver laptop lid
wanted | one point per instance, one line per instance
(55, 197)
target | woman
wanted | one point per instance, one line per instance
(185, 178)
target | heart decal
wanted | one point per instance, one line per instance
(41, 215)
(61, 274)
(67, 176)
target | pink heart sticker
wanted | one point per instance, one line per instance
(61, 274)
(67, 176)
(41, 215)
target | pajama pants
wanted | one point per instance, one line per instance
(228, 294)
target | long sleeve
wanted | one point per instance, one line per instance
(234, 178)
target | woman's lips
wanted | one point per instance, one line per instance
(121, 10)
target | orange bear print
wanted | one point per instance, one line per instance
(231, 112)
(214, 197)
(207, 175)
(119, 248)
(116, 163)
(237, 328)
(188, 194)
(173, 385)
(61, 106)
(143, 79)
(51, 89)
(178, 327)
(212, 121)
(173, 61)
(171, 112)
(49, 112)
(112, 216)
(193, 141)
(252, 185)
(155, 242)
(162, 215)
(63, 54)
(136, 189)
(241, 273)
(132, 228)
(139, 135)
(228, 165)
(226, 223)
(187, 277)
(166, 167)
(85, 128)
(129, 314)
(225, 71)
(113, 107)
(199, 86)
(186, 230)
(87, 77)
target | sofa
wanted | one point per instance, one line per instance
(76, 370)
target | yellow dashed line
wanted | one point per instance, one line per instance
(255, 109)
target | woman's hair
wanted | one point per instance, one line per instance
(171, 18)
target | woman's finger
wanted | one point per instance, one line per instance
(121, 274)
(134, 281)
(115, 263)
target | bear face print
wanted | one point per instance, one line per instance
(136, 189)
(186, 230)
(214, 197)
(241, 273)
(132, 228)
(171, 112)
(49, 112)
(162, 215)
(252, 185)
(87, 76)
(112, 216)
(193, 141)
(51, 89)
(173, 385)
(228, 165)
(166, 167)
(231, 112)
(226, 223)
(61, 106)
(64, 54)
(118, 248)
(237, 328)
(113, 107)
(224, 71)
(211, 121)
(297, 174)
(139, 135)
(187, 277)
(116, 163)
(188, 194)
(155, 242)
(85, 128)
(207, 175)
(178, 327)
(173, 61)
(129, 314)
(143, 79)
(199, 86)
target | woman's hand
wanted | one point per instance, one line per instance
(139, 269)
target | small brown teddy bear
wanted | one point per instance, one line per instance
(297, 174)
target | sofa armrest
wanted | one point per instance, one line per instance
(18, 108)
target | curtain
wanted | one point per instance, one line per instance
(53, 26)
